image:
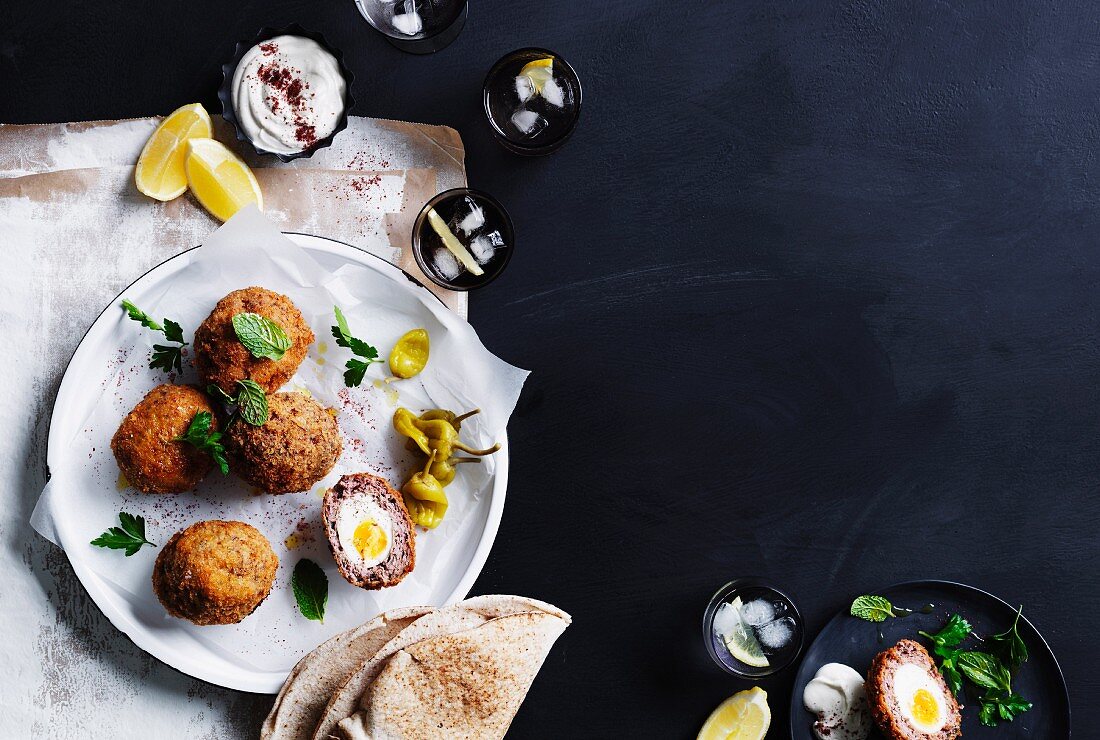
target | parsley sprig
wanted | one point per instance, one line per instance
(251, 402)
(129, 537)
(199, 436)
(165, 357)
(983, 670)
(356, 369)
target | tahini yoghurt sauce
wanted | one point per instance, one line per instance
(838, 698)
(288, 93)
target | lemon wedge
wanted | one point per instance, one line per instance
(219, 179)
(159, 172)
(539, 71)
(743, 716)
(741, 641)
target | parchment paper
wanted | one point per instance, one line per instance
(69, 188)
(85, 495)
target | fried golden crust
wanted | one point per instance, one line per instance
(884, 705)
(220, 357)
(145, 444)
(297, 446)
(214, 572)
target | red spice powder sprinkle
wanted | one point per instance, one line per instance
(291, 90)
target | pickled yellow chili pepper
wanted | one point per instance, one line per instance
(410, 354)
(448, 416)
(404, 422)
(444, 470)
(424, 497)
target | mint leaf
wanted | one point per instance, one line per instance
(261, 336)
(872, 608)
(984, 670)
(216, 391)
(129, 537)
(310, 585)
(252, 403)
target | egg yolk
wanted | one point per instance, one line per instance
(369, 539)
(926, 710)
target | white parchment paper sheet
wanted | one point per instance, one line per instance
(84, 494)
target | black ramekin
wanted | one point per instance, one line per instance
(225, 92)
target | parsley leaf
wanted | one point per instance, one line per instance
(1008, 645)
(872, 608)
(261, 336)
(129, 537)
(252, 403)
(954, 632)
(310, 585)
(356, 369)
(984, 670)
(201, 438)
(164, 357)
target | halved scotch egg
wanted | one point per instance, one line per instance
(369, 531)
(909, 698)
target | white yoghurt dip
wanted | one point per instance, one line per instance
(838, 698)
(288, 93)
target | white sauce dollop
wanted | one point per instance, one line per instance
(838, 698)
(282, 120)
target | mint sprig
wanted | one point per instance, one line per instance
(261, 336)
(872, 608)
(310, 585)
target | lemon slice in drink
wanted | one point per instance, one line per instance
(159, 172)
(743, 716)
(219, 179)
(539, 71)
(739, 637)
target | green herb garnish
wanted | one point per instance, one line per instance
(201, 438)
(129, 537)
(983, 670)
(872, 608)
(251, 402)
(356, 369)
(261, 336)
(1008, 645)
(164, 357)
(310, 585)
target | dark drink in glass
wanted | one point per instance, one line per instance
(532, 99)
(416, 26)
(462, 239)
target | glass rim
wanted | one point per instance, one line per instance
(499, 132)
(720, 596)
(418, 226)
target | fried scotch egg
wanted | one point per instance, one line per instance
(369, 531)
(909, 698)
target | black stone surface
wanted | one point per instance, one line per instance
(810, 295)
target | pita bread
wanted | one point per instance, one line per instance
(469, 684)
(446, 620)
(302, 699)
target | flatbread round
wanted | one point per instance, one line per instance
(307, 689)
(469, 684)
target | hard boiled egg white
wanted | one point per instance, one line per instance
(365, 531)
(920, 698)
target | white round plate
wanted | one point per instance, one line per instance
(165, 639)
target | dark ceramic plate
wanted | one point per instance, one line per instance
(855, 642)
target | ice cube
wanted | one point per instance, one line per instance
(525, 88)
(527, 122)
(407, 21)
(775, 635)
(445, 264)
(468, 217)
(725, 621)
(758, 612)
(483, 247)
(552, 93)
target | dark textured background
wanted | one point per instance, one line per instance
(810, 295)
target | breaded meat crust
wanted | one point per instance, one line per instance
(884, 705)
(220, 357)
(402, 556)
(297, 446)
(214, 572)
(146, 445)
